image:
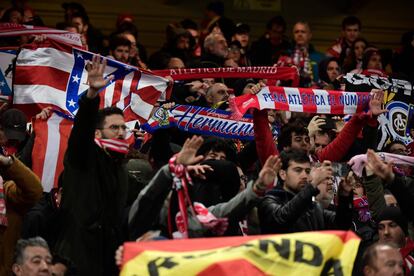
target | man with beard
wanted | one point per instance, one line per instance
(94, 182)
(393, 227)
(292, 208)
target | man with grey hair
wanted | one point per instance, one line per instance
(32, 257)
(303, 55)
(216, 52)
(382, 259)
(216, 95)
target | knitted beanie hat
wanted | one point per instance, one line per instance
(394, 214)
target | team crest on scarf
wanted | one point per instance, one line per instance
(162, 116)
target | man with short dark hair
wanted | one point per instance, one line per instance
(267, 50)
(215, 148)
(95, 182)
(382, 259)
(242, 35)
(32, 257)
(292, 208)
(351, 28)
(90, 36)
(119, 48)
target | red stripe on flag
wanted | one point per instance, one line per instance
(39, 146)
(44, 76)
(41, 152)
(49, 43)
(117, 91)
(149, 94)
(133, 87)
(65, 129)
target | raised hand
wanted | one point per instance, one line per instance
(199, 170)
(45, 113)
(187, 155)
(347, 184)
(268, 174)
(96, 79)
(375, 104)
(322, 173)
(378, 167)
(315, 124)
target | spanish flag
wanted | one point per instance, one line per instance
(306, 253)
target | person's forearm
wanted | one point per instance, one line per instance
(83, 131)
(340, 146)
(375, 194)
(146, 208)
(238, 206)
(263, 136)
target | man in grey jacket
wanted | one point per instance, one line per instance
(146, 209)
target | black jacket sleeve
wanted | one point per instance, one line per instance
(146, 208)
(81, 140)
(403, 189)
(272, 210)
(341, 219)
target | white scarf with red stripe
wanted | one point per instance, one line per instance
(301, 100)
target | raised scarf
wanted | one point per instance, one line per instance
(258, 72)
(301, 100)
(202, 120)
(357, 162)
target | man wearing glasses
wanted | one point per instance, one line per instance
(94, 182)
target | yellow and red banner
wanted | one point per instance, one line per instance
(306, 253)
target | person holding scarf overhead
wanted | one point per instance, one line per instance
(95, 182)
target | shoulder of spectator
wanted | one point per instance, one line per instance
(21, 184)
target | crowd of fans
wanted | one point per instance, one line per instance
(281, 183)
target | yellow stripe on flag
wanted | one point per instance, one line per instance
(307, 253)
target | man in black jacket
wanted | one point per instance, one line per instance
(94, 182)
(293, 209)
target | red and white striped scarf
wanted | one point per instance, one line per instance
(406, 252)
(3, 217)
(113, 145)
(181, 180)
(301, 100)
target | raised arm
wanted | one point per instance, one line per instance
(340, 146)
(83, 132)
